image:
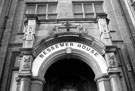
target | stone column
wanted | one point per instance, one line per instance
(37, 84)
(27, 55)
(24, 84)
(103, 82)
(114, 75)
(18, 83)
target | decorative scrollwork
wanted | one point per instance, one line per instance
(68, 26)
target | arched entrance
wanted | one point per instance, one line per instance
(69, 74)
(96, 67)
(55, 53)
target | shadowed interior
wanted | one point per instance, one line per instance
(69, 75)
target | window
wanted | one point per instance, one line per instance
(13, 71)
(43, 11)
(98, 8)
(31, 9)
(87, 10)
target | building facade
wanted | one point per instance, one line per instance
(67, 45)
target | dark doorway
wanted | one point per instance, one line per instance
(69, 75)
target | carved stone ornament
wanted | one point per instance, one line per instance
(68, 26)
(111, 60)
(26, 64)
(29, 33)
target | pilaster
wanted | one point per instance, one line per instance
(26, 54)
(113, 69)
(114, 75)
(106, 39)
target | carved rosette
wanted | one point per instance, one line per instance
(111, 60)
(26, 64)
(70, 27)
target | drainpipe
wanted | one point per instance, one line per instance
(131, 36)
(1, 35)
(3, 26)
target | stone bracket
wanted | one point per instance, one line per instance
(114, 70)
(110, 49)
(26, 51)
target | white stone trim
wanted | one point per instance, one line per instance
(96, 59)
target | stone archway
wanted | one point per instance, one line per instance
(89, 55)
(78, 50)
(84, 48)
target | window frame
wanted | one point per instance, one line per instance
(12, 69)
(47, 14)
(12, 80)
(83, 3)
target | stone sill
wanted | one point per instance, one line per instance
(51, 1)
(93, 1)
(41, 1)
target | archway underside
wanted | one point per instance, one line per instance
(69, 74)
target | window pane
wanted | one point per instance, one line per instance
(41, 17)
(52, 8)
(77, 8)
(13, 85)
(15, 59)
(17, 62)
(88, 8)
(98, 8)
(52, 16)
(41, 9)
(78, 15)
(31, 9)
(134, 6)
(89, 15)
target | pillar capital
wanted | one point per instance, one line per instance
(114, 70)
(101, 77)
(103, 82)
(38, 79)
(37, 83)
